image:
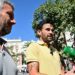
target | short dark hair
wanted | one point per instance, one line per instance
(40, 25)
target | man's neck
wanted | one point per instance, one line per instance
(47, 43)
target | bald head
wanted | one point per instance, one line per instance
(2, 2)
(6, 18)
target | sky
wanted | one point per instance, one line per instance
(24, 11)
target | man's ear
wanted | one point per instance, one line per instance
(39, 32)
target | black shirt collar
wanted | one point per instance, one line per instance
(2, 41)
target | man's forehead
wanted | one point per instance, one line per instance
(7, 6)
(48, 25)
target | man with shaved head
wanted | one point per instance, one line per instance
(7, 65)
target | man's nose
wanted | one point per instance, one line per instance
(13, 21)
(50, 31)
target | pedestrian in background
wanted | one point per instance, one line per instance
(7, 64)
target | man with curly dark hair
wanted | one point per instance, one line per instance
(42, 58)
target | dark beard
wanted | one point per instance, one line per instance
(3, 27)
(5, 31)
(49, 41)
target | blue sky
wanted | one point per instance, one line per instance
(24, 10)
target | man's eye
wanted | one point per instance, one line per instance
(10, 15)
(48, 29)
(52, 30)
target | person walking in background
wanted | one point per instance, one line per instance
(41, 57)
(7, 64)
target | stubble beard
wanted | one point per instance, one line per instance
(49, 40)
(3, 28)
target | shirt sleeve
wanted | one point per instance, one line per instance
(32, 53)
